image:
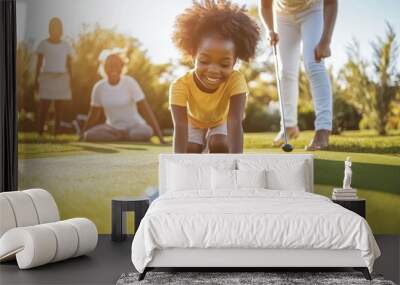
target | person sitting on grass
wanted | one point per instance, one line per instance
(207, 103)
(120, 98)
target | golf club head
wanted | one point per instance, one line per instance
(287, 147)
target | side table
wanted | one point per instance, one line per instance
(357, 206)
(121, 205)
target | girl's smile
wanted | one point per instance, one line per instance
(214, 62)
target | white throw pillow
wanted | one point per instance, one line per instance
(223, 179)
(282, 174)
(183, 177)
(193, 174)
(280, 180)
(251, 178)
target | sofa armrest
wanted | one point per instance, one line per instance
(40, 244)
(32, 246)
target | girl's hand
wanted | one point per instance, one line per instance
(322, 50)
(273, 38)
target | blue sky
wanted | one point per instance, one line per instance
(151, 21)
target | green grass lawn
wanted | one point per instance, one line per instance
(31, 145)
(83, 177)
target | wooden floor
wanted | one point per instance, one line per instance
(111, 259)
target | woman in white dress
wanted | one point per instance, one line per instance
(308, 24)
(53, 74)
(119, 98)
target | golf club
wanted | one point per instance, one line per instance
(286, 147)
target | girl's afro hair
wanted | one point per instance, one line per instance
(216, 17)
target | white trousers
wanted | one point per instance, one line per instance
(305, 27)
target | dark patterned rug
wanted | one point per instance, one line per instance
(243, 278)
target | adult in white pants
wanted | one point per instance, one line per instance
(310, 23)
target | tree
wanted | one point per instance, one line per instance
(385, 56)
(24, 61)
(25, 94)
(373, 95)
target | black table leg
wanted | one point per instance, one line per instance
(118, 222)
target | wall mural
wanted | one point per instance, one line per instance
(94, 103)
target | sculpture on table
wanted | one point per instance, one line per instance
(347, 174)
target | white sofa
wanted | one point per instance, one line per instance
(31, 231)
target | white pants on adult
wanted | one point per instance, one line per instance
(303, 29)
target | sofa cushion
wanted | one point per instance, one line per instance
(23, 208)
(45, 205)
(87, 233)
(7, 220)
(67, 239)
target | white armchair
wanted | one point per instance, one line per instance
(31, 230)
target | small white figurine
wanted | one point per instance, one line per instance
(347, 174)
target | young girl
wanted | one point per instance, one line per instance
(207, 103)
(53, 82)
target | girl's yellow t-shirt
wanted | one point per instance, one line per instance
(206, 110)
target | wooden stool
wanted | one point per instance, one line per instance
(121, 205)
